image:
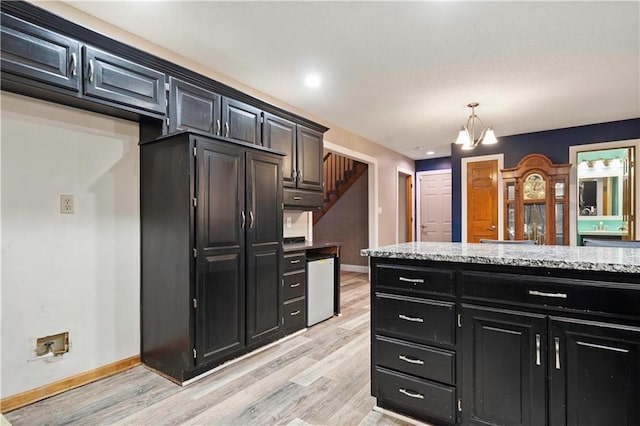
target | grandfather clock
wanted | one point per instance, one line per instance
(537, 201)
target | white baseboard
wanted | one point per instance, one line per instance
(354, 268)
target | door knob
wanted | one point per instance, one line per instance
(491, 228)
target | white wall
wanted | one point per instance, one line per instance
(77, 273)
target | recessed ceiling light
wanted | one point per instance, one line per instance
(430, 152)
(312, 80)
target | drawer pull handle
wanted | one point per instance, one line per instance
(297, 198)
(293, 262)
(411, 394)
(412, 319)
(411, 360)
(557, 341)
(294, 313)
(537, 349)
(295, 285)
(412, 280)
(543, 294)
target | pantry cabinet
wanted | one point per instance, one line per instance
(211, 218)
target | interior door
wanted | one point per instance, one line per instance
(219, 300)
(435, 206)
(629, 193)
(482, 200)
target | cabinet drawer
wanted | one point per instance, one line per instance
(415, 279)
(418, 360)
(294, 285)
(295, 314)
(294, 261)
(300, 199)
(419, 397)
(419, 320)
(594, 296)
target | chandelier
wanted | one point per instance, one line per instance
(467, 135)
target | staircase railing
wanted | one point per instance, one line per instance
(339, 174)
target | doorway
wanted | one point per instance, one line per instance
(434, 206)
(404, 216)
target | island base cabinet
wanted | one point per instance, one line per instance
(594, 374)
(504, 368)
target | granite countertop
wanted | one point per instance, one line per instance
(307, 246)
(605, 259)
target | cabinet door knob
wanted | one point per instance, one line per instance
(226, 129)
(250, 220)
(91, 71)
(218, 127)
(244, 219)
(74, 64)
(557, 347)
(537, 349)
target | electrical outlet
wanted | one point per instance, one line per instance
(56, 344)
(66, 204)
(288, 222)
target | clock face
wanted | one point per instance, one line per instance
(534, 187)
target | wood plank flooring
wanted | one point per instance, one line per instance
(320, 377)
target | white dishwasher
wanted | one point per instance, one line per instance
(320, 288)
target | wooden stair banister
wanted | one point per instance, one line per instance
(339, 174)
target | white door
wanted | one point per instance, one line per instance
(434, 205)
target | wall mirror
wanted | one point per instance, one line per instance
(605, 192)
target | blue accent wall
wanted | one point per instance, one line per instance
(442, 163)
(552, 143)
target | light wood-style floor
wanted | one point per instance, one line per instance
(319, 377)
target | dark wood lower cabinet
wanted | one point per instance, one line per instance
(594, 374)
(504, 367)
(508, 346)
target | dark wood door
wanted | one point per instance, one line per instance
(192, 107)
(280, 134)
(309, 159)
(241, 121)
(503, 367)
(482, 200)
(33, 52)
(594, 371)
(115, 79)
(219, 300)
(264, 246)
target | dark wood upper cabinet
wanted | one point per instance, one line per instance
(594, 371)
(280, 134)
(193, 108)
(115, 79)
(309, 159)
(241, 121)
(504, 367)
(39, 54)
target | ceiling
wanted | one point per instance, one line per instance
(402, 73)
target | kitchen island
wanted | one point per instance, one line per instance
(506, 334)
